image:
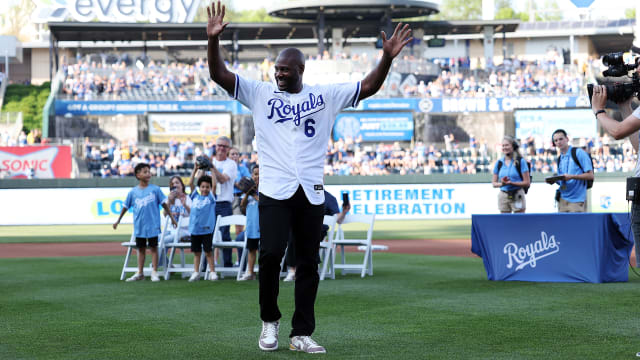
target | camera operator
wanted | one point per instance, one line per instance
(628, 127)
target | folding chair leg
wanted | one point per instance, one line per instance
(126, 263)
(167, 274)
(343, 257)
(243, 259)
(325, 261)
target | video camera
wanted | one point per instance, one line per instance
(619, 91)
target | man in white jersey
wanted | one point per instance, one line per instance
(293, 123)
(629, 126)
(225, 170)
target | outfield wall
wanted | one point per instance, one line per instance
(99, 201)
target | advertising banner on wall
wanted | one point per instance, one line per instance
(387, 202)
(127, 107)
(41, 162)
(374, 126)
(183, 127)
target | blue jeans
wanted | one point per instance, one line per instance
(223, 208)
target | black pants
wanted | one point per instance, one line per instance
(277, 219)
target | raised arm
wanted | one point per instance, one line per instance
(390, 49)
(217, 69)
(619, 130)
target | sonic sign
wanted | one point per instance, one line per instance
(155, 11)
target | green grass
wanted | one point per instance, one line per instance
(414, 307)
(399, 229)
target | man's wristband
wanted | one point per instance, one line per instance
(599, 112)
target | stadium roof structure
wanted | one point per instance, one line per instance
(95, 31)
(353, 9)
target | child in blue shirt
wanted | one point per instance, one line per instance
(144, 201)
(201, 223)
(249, 207)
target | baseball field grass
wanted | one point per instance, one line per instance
(383, 230)
(414, 307)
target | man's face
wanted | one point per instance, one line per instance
(288, 73)
(234, 154)
(222, 149)
(560, 141)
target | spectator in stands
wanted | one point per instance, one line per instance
(146, 219)
(511, 175)
(22, 139)
(576, 169)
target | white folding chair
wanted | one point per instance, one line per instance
(131, 244)
(367, 265)
(326, 247)
(183, 268)
(218, 243)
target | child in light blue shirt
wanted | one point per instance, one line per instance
(144, 200)
(249, 206)
(202, 220)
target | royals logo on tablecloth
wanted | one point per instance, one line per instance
(529, 254)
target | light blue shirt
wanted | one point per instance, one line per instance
(574, 190)
(253, 219)
(145, 203)
(511, 172)
(202, 218)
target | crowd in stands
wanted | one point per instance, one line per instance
(33, 137)
(125, 79)
(348, 157)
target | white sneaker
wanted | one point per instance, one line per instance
(306, 344)
(154, 276)
(290, 276)
(247, 276)
(136, 277)
(212, 276)
(195, 276)
(269, 336)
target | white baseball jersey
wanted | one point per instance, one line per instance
(292, 131)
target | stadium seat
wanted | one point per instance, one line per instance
(326, 246)
(366, 267)
(218, 243)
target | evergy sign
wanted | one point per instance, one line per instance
(155, 11)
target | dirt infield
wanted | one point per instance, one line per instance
(452, 247)
(425, 246)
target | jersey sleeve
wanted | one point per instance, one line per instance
(246, 91)
(128, 202)
(524, 166)
(345, 95)
(193, 195)
(160, 196)
(585, 161)
(495, 168)
(636, 112)
(231, 169)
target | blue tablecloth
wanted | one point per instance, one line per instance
(560, 247)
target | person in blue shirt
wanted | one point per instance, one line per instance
(234, 154)
(202, 220)
(249, 207)
(573, 186)
(511, 182)
(144, 200)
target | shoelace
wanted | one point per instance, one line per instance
(308, 342)
(269, 330)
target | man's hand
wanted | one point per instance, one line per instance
(397, 41)
(599, 98)
(215, 23)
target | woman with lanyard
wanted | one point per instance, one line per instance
(511, 175)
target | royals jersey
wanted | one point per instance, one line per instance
(292, 131)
